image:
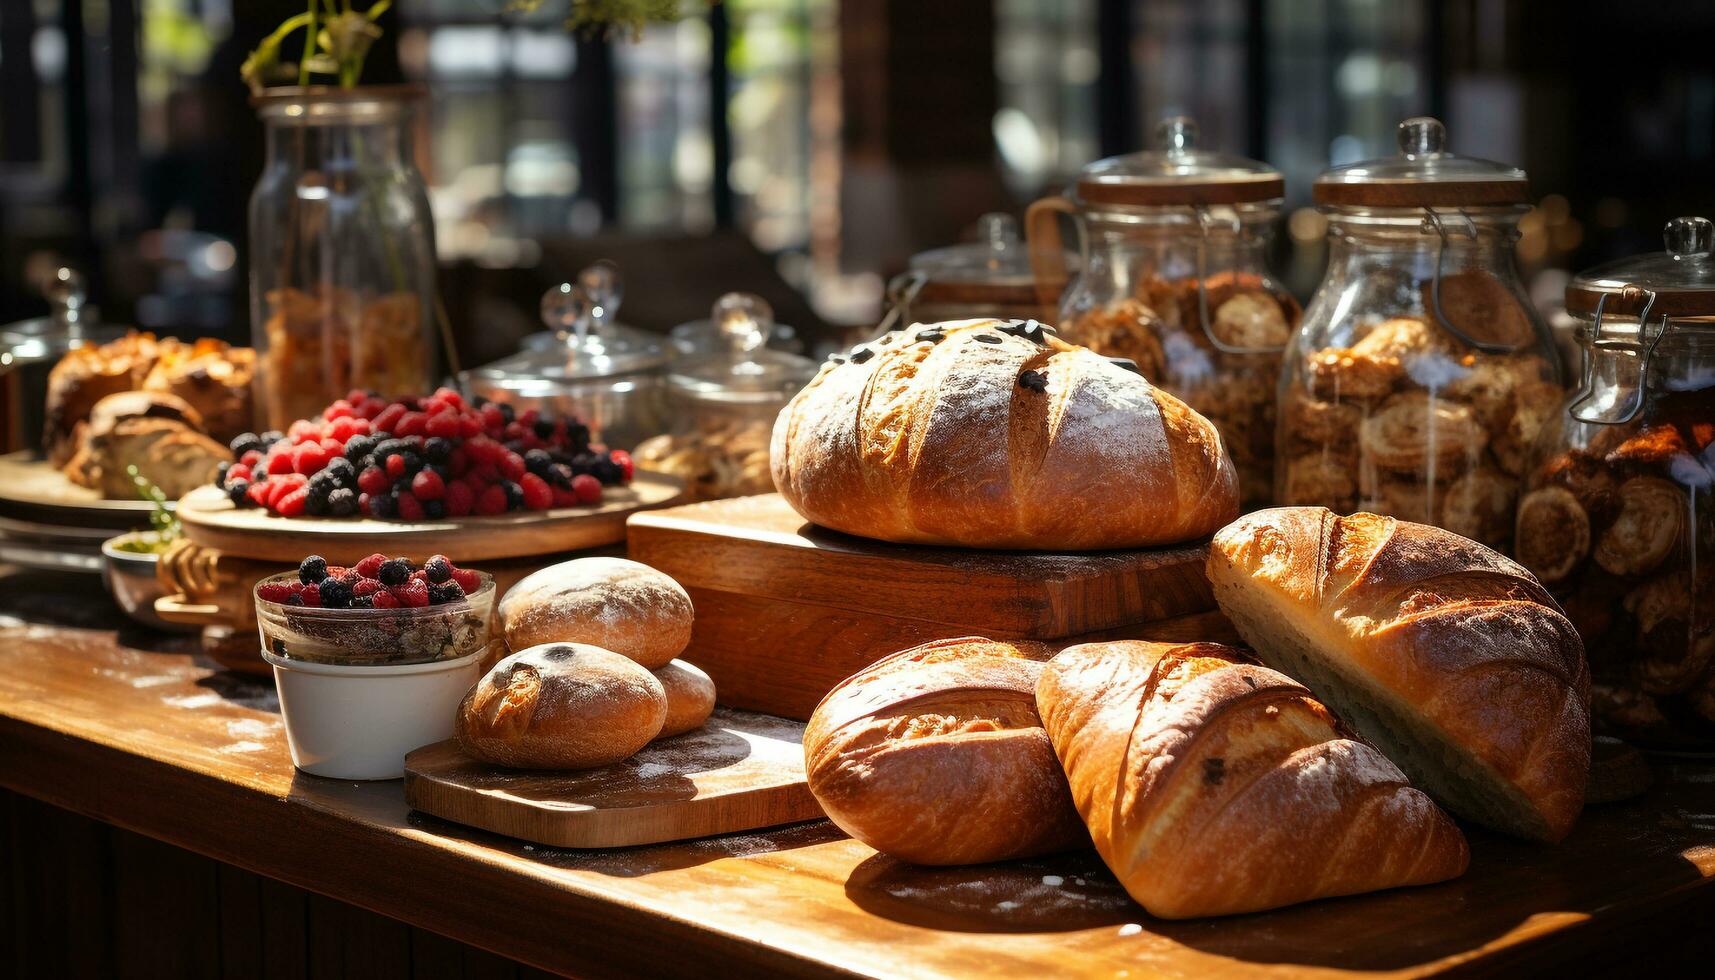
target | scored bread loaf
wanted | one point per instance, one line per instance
(1449, 657)
(613, 603)
(561, 706)
(690, 697)
(1213, 786)
(935, 755)
(989, 434)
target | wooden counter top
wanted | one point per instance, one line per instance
(129, 728)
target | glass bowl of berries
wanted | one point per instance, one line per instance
(372, 660)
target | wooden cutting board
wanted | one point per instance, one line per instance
(34, 491)
(212, 521)
(740, 771)
(786, 610)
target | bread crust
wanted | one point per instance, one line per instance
(1464, 643)
(936, 755)
(690, 697)
(1212, 786)
(613, 603)
(561, 706)
(985, 434)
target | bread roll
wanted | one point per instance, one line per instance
(935, 755)
(561, 706)
(690, 697)
(612, 603)
(1449, 657)
(998, 435)
(1212, 786)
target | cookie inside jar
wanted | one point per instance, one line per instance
(1618, 512)
(1420, 378)
(1173, 276)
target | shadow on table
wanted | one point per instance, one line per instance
(243, 689)
(1619, 856)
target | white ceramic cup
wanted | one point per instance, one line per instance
(359, 722)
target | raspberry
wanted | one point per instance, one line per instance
(384, 600)
(626, 466)
(414, 593)
(239, 472)
(445, 425)
(373, 479)
(292, 504)
(366, 586)
(388, 418)
(410, 508)
(370, 565)
(274, 591)
(301, 429)
(460, 500)
(468, 579)
(492, 500)
(395, 466)
(257, 494)
(311, 595)
(309, 458)
(338, 410)
(565, 496)
(537, 494)
(411, 424)
(279, 464)
(427, 485)
(512, 466)
(470, 426)
(492, 419)
(587, 487)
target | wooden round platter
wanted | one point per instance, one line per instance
(212, 521)
(31, 489)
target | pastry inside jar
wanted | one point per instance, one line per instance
(1490, 384)
(1415, 432)
(1650, 523)
(1535, 405)
(1670, 659)
(1481, 307)
(1479, 505)
(1552, 533)
(1130, 329)
(1320, 478)
(1310, 421)
(1343, 374)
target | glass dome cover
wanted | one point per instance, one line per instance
(1422, 174)
(1677, 282)
(585, 342)
(747, 371)
(1177, 173)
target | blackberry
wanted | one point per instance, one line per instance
(514, 494)
(312, 570)
(245, 443)
(434, 510)
(342, 502)
(544, 429)
(336, 594)
(271, 437)
(294, 600)
(315, 506)
(538, 462)
(342, 472)
(560, 475)
(438, 569)
(358, 447)
(608, 472)
(413, 463)
(236, 493)
(388, 447)
(577, 436)
(438, 449)
(220, 472)
(363, 602)
(507, 413)
(319, 487)
(383, 506)
(445, 592)
(394, 571)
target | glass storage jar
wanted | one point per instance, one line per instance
(342, 254)
(599, 371)
(1618, 515)
(29, 349)
(1421, 375)
(990, 277)
(1171, 245)
(724, 404)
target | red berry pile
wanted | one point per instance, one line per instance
(376, 582)
(417, 458)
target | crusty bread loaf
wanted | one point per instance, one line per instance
(690, 697)
(86, 375)
(561, 706)
(1213, 786)
(935, 756)
(613, 603)
(1449, 657)
(998, 435)
(156, 432)
(212, 376)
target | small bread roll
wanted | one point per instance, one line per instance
(690, 697)
(561, 706)
(612, 603)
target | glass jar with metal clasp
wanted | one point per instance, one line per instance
(1172, 275)
(1618, 515)
(989, 277)
(1421, 376)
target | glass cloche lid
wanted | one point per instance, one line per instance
(586, 342)
(745, 370)
(1677, 282)
(1422, 174)
(1177, 172)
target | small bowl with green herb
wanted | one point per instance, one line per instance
(130, 561)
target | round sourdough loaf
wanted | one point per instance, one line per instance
(561, 706)
(612, 603)
(992, 434)
(690, 697)
(936, 755)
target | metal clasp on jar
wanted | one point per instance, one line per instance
(1587, 407)
(1205, 221)
(1432, 222)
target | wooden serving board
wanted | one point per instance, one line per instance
(32, 490)
(212, 521)
(740, 771)
(786, 610)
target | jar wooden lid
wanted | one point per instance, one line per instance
(1423, 174)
